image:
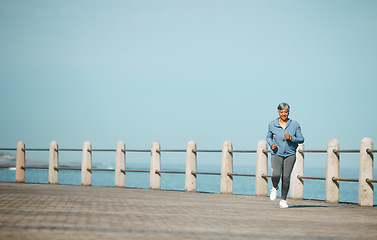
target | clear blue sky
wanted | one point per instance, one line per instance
(174, 71)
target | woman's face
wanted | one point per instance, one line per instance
(284, 114)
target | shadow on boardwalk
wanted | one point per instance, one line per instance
(43, 211)
(305, 206)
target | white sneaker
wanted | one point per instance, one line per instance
(273, 194)
(283, 204)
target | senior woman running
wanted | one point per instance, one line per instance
(283, 136)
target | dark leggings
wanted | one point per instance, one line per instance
(282, 166)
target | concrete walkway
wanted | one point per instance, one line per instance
(43, 211)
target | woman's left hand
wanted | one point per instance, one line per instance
(287, 136)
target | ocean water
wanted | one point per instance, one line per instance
(313, 189)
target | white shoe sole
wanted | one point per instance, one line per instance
(273, 195)
(283, 205)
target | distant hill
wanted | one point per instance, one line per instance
(8, 159)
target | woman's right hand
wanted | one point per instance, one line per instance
(274, 146)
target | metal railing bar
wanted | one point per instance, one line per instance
(196, 150)
(135, 150)
(308, 177)
(266, 151)
(176, 172)
(8, 149)
(33, 167)
(371, 150)
(102, 150)
(134, 170)
(345, 179)
(35, 149)
(241, 174)
(101, 169)
(371, 180)
(3, 166)
(204, 173)
(312, 151)
(68, 149)
(66, 168)
(243, 151)
(265, 176)
(171, 150)
(346, 151)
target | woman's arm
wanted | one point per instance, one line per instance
(269, 137)
(298, 137)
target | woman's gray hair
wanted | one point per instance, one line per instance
(283, 106)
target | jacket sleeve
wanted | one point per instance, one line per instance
(298, 137)
(269, 137)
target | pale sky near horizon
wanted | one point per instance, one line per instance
(175, 71)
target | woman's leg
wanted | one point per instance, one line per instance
(277, 167)
(288, 164)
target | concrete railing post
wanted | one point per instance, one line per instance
(53, 176)
(120, 163)
(155, 177)
(227, 167)
(86, 175)
(366, 172)
(190, 179)
(261, 183)
(297, 185)
(332, 170)
(20, 162)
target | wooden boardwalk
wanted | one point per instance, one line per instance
(45, 211)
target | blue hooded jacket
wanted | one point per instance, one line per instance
(275, 135)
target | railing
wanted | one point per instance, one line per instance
(332, 178)
(365, 195)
